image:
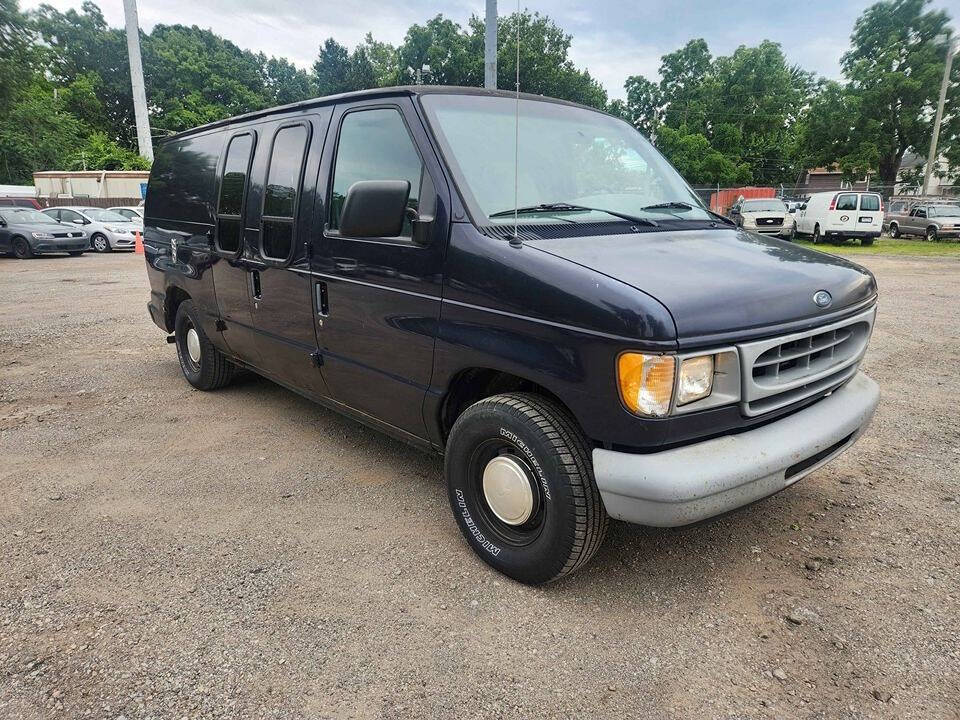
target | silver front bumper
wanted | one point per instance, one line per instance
(690, 483)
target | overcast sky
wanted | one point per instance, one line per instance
(611, 38)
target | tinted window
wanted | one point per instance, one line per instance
(183, 179)
(283, 186)
(235, 174)
(374, 145)
(847, 202)
(70, 216)
(233, 186)
(283, 182)
(869, 202)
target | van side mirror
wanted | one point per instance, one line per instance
(375, 208)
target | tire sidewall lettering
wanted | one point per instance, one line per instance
(537, 467)
(478, 536)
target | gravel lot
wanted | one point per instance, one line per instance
(245, 553)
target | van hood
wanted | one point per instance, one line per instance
(722, 283)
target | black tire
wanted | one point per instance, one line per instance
(212, 370)
(75, 253)
(793, 233)
(22, 249)
(866, 241)
(894, 230)
(816, 235)
(99, 242)
(567, 522)
(932, 235)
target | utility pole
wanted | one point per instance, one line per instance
(490, 47)
(136, 80)
(932, 156)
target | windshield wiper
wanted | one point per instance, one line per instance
(568, 207)
(677, 205)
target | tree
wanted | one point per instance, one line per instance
(99, 152)
(331, 70)
(643, 104)
(893, 72)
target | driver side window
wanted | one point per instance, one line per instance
(375, 145)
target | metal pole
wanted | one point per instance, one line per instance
(136, 80)
(490, 47)
(932, 156)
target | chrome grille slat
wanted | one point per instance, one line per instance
(780, 371)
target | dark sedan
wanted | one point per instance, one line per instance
(25, 233)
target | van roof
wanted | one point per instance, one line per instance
(397, 91)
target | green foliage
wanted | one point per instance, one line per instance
(101, 153)
(35, 134)
(693, 156)
(893, 72)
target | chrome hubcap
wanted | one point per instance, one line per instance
(507, 490)
(193, 345)
(99, 243)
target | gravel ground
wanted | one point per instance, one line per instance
(168, 553)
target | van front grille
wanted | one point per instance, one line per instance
(781, 371)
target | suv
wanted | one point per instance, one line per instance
(108, 230)
(567, 325)
(930, 220)
(26, 232)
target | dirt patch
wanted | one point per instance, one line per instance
(245, 553)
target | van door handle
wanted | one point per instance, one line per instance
(323, 299)
(255, 285)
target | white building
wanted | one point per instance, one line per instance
(91, 183)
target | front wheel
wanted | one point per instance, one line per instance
(22, 249)
(894, 230)
(75, 253)
(100, 243)
(932, 234)
(816, 235)
(204, 367)
(793, 234)
(520, 483)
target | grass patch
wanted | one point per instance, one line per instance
(890, 246)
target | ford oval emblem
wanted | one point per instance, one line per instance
(822, 298)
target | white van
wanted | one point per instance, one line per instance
(838, 216)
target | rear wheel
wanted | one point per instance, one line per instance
(22, 249)
(894, 230)
(205, 367)
(866, 241)
(520, 483)
(932, 234)
(75, 253)
(100, 243)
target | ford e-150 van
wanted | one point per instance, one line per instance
(559, 317)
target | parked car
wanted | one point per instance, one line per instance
(930, 220)
(26, 232)
(840, 216)
(130, 212)
(588, 342)
(768, 216)
(108, 230)
(25, 202)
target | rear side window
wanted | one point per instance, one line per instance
(233, 186)
(375, 145)
(282, 192)
(847, 201)
(183, 179)
(869, 202)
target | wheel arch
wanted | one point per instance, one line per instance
(175, 296)
(473, 384)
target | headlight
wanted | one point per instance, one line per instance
(696, 379)
(749, 221)
(120, 231)
(41, 236)
(646, 382)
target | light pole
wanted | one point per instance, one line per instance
(490, 47)
(952, 49)
(136, 80)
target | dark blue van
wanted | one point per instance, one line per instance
(523, 285)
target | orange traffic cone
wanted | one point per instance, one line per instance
(138, 243)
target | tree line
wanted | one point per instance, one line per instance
(749, 117)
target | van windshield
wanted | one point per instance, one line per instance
(763, 206)
(568, 156)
